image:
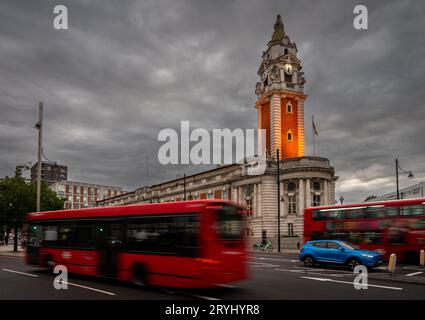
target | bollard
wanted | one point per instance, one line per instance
(392, 263)
(422, 258)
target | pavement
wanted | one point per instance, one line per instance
(272, 277)
(8, 251)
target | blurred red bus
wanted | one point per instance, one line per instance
(180, 244)
(396, 226)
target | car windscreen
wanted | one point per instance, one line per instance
(347, 245)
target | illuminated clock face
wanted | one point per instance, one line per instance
(288, 68)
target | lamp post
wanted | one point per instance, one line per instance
(278, 201)
(397, 170)
(341, 199)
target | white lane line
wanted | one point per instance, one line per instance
(413, 274)
(261, 264)
(203, 297)
(19, 272)
(321, 270)
(286, 270)
(351, 283)
(275, 259)
(226, 286)
(308, 272)
(85, 287)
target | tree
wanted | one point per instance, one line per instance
(370, 197)
(18, 198)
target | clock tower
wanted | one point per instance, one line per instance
(280, 96)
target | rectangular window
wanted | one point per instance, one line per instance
(316, 200)
(289, 108)
(51, 235)
(86, 235)
(176, 235)
(229, 223)
(290, 229)
(292, 206)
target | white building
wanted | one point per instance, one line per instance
(83, 195)
(410, 192)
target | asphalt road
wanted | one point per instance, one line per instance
(271, 277)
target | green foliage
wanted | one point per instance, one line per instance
(18, 198)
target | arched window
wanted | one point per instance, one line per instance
(289, 108)
(289, 135)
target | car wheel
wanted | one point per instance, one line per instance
(353, 263)
(309, 262)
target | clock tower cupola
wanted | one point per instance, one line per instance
(280, 96)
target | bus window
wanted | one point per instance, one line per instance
(35, 236)
(86, 235)
(167, 235)
(229, 223)
(377, 212)
(412, 210)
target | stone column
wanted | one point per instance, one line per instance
(307, 193)
(259, 189)
(241, 199)
(301, 128)
(301, 197)
(254, 201)
(325, 193)
(275, 124)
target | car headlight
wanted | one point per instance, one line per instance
(367, 255)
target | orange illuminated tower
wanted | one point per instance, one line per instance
(280, 96)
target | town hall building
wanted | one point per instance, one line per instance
(304, 181)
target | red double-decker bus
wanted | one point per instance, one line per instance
(182, 244)
(396, 226)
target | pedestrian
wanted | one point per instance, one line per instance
(6, 238)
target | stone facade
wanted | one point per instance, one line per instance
(303, 181)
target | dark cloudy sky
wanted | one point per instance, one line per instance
(127, 69)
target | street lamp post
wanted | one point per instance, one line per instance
(397, 170)
(341, 199)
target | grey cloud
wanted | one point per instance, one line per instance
(127, 69)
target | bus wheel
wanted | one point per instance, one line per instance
(140, 275)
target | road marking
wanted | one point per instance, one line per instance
(203, 297)
(19, 272)
(262, 264)
(413, 274)
(226, 286)
(85, 287)
(275, 259)
(286, 270)
(351, 283)
(308, 272)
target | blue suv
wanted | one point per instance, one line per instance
(338, 252)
